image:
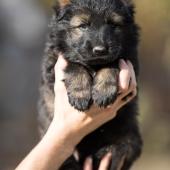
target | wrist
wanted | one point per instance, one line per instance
(63, 135)
(58, 140)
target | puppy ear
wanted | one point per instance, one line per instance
(63, 3)
(60, 8)
(127, 3)
(129, 7)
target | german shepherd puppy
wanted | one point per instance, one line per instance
(93, 35)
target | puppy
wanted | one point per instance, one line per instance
(93, 35)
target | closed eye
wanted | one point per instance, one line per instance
(83, 26)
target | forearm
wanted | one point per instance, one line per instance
(51, 152)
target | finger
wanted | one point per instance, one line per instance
(88, 164)
(59, 68)
(124, 76)
(133, 82)
(125, 94)
(132, 91)
(59, 73)
(105, 162)
(129, 93)
(127, 99)
(132, 85)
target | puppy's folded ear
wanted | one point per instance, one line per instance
(60, 8)
(129, 7)
(63, 3)
(127, 3)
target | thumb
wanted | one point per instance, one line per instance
(59, 72)
(59, 68)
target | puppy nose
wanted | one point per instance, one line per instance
(99, 50)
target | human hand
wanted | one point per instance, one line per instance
(104, 164)
(78, 124)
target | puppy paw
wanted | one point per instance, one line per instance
(78, 83)
(105, 87)
(80, 100)
(104, 95)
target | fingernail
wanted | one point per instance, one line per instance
(89, 160)
(109, 154)
(122, 62)
(129, 63)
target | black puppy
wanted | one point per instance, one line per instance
(93, 35)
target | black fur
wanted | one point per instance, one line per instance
(110, 26)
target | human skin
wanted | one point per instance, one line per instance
(69, 126)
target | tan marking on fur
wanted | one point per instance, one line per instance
(79, 85)
(80, 81)
(81, 94)
(78, 19)
(75, 22)
(102, 77)
(63, 3)
(104, 74)
(76, 34)
(116, 18)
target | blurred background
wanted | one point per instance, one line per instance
(23, 30)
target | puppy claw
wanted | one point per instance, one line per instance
(104, 98)
(81, 104)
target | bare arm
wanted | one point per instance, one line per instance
(69, 126)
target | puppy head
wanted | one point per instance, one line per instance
(99, 32)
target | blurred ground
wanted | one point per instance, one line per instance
(152, 162)
(23, 28)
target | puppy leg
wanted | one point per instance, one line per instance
(126, 148)
(127, 152)
(70, 164)
(78, 84)
(118, 157)
(105, 86)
